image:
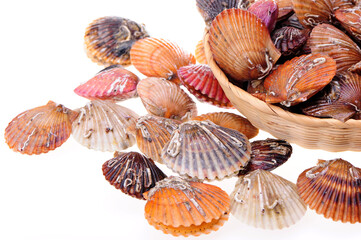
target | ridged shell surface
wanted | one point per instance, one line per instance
(199, 53)
(350, 19)
(289, 40)
(285, 7)
(310, 12)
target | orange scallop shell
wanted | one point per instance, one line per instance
(311, 13)
(332, 188)
(350, 19)
(199, 53)
(285, 7)
(41, 129)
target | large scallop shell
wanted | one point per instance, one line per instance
(132, 173)
(155, 57)
(102, 125)
(182, 207)
(201, 82)
(152, 133)
(108, 40)
(350, 19)
(199, 53)
(311, 12)
(241, 45)
(166, 99)
(41, 129)
(204, 150)
(232, 121)
(113, 82)
(264, 200)
(332, 188)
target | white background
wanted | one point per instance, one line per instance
(63, 194)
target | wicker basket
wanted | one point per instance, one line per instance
(308, 132)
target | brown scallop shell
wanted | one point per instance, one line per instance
(113, 82)
(299, 79)
(102, 125)
(310, 12)
(132, 173)
(241, 45)
(166, 99)
(199, 53)
(182, 207)
(155, 57)
(285, 8)
(108, 40)
(232, 121)
(201, 82)
(41, 129)
(152, 133)
(204, 150)
(267, 11)
(289, 40)
(332, 188)
(350, 19)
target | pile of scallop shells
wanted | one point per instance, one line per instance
(213, 146)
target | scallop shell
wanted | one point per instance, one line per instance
(265, 200)
(332, 188)
(41, 129)
(311, 13)
(153, 133)
(101, 125)
(241, 45)
(200, 54)
(232, 121)
(108, 40)
(132, 173)
(113, 82)
(182, 207)
(166, 99)
(201, 82)
(155, 57)
(299, 79)
(329, 40)
(285, 8)
(267, 11)
(289, 40)
(350, 19)
(205, 150)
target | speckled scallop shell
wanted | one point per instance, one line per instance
(350, 19)
(201, 82)
(299, 79)
(265, 200)
(329, 40)
(113, 82)
(289, 40)
(311, 12)
(166, 99)
(41, 129)
(332, 188)
(199, 53)
(232, 121)
(241, 45)
(132, 173)
(108, 40)
(204, 150)
(102, 125)
(155, 57)
(152, 133)
(183, 208)
(267, 11)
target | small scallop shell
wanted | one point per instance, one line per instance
(41, 129)
(108, 40)
(101, 125)
(155, 57)
(113, 82)
(232, 121)
(289, 40)
(132, 173)
(241, 45)
(153, 133)
(311, 12)
(199, 53)
(205, 150)
(166, 99)
(201, 82)
(285, 8)
(267, 11)
(185, 208)
(332, 188)
(350, 19)
(264, 200)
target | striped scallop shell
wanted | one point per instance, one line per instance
(204, 150)
(102, 125)
(329, 40)
(265, 200)
(200, 53)
(350, 19)
(311, 12)
(152, 133)
(108, 40)
(232, 121)
(333, 189)
(285, 8)
(132, 173)
(166, 99)
(155, 57)
(241, 45)
(41, 129)
(289, 40)
(182, 207)
(201, 82)
(113, 82)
